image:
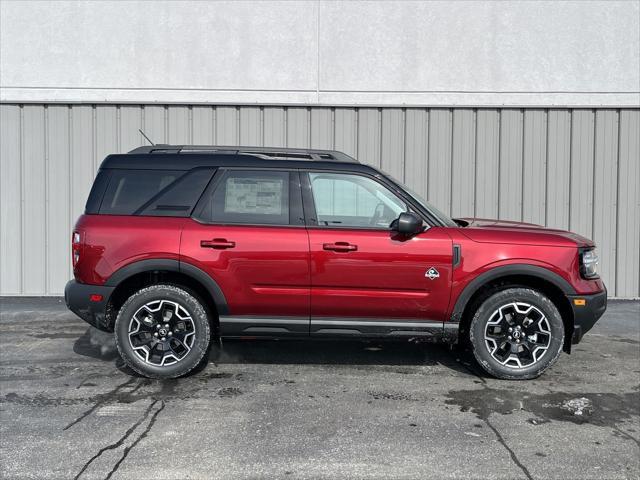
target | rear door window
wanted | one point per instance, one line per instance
(255, 197)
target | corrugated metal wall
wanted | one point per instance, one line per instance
(575, 169)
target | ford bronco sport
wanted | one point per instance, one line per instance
(182, 245)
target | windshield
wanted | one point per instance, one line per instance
(444, 218)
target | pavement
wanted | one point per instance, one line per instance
(303, 409)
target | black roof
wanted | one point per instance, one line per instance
(186, 157)
(268, 152)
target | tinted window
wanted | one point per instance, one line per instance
(179, 198)
(345, 200)
(100, 184)
(129, 190)
(251, 197)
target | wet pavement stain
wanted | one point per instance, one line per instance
(53, 336)
(391, 396)
(604, 409)
(626, 340)
(229, 392)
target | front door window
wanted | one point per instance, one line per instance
(353, 201)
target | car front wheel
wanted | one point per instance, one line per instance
(162, 331)
(517, 334)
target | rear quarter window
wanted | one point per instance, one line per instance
(153, 192)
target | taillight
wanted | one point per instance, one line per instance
(76, 247)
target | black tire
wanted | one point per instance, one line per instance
(494, 345)
(169, 296)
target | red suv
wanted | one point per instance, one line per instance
(182, 245)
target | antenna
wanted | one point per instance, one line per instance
(148, 139)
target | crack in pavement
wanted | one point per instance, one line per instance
(126, 435)
(141, 437)
(626, 435)
(103, 399)
(514, 458)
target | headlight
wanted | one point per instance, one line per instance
(589, 263)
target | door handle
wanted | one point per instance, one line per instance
(340, 247)
(217, 243)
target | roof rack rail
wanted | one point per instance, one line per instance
(281, 153)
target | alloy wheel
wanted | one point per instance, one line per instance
(161, 332)
(517, 335)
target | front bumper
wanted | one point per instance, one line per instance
(585, 316)
(77, 296)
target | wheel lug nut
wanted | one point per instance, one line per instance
(155, 334)
(510, 329)
(166, 325)
(170, 333)
(509, 337)
(157, 326)
(163, 339)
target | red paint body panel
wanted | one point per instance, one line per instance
(384, 277)
(480, 257)
(503, 231)
(286, 271)
(266, 273)
(110, 242)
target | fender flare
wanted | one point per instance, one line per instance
(171, 265)
(505, 271)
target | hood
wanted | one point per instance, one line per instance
(505, 231)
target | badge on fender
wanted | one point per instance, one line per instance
(432, 273)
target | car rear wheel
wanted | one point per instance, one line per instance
(162, 331)
(517, 334)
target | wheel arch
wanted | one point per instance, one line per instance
(142, 273)
(551, 284)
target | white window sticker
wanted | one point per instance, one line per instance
(248, 195)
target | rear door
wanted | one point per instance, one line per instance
(248, 234)
(365, 279)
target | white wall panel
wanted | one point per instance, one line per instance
(463, 163)
(346, 131)
(58, 217)
(487, 162)
(605, 192)
(393, 138)
(558, 167)
(581, 180)
(534, 166)
(416, 151)
(439, 173)
(628, 253)
(510, 170)
(11, 199)
(298, 127)
(364, 53)
(275, 129)
(34, 195)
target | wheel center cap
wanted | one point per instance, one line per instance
(516, 334)
(162, 332)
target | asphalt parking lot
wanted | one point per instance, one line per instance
(267, 409)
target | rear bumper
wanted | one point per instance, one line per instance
(585, 317)
(77, 296)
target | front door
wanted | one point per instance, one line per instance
(365, 279)
(248, 234)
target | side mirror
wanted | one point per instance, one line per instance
(407, 223)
